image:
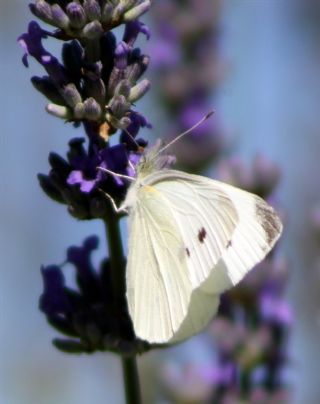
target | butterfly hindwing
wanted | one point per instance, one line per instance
(202, 307)
(205, 217)
(245, 224)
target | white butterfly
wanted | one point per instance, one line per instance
(190, 239)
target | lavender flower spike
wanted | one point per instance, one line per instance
(72, 18)
(95, 86)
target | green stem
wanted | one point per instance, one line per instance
(131, 380)
(118, 267)
(245, 384)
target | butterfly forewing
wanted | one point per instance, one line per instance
(205, 217)
(258, 230)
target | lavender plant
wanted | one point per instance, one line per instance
(251, 333)
(188, 70)
(256, 313)
(94, 87)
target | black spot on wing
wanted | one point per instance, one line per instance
(188, 251)
(202, 234)
(269, 221)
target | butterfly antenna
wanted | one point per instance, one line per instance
(207, 116)
(132, 138)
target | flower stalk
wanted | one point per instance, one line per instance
(252, 329)
(118, 265)
(131, 381)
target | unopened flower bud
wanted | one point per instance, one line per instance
(139, 90)
(45, 86)
(119, 105)
(122, 123)
(107, 13)
(76, 14)
(118, 12)
(121, 55)
(92, 9)
(137, 11)
(92, 109)
(71, 95)
(59, 111)
(92, 30)
(96, 89)
(73, 54)
(123, 88)
(42, 10)
(59, 17)
(135, 70)
(79, 111)
(49, 188)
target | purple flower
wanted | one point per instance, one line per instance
(86, 172)
(78, 181)
(188, 383)
(99, 94)
(86, 89)
(73, 19)
(128, 137)
(53, 300)
(121, 55)
(184, 48)
(166, 52)
(133, 29)
(275, 310)
(31, 42)
(86, 312)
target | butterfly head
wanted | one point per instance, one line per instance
(149, 162)
(154, 160)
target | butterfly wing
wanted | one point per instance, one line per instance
(168, 258)
(158, 287)
(191, 238)
(258, 230)
(204, 215)
(225, 229)
(202, 307)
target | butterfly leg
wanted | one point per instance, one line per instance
(114, 205)
(116, 174)
(132, 167)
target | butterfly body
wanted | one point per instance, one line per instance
(190, 239)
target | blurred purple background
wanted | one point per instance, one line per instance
(267, 100)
